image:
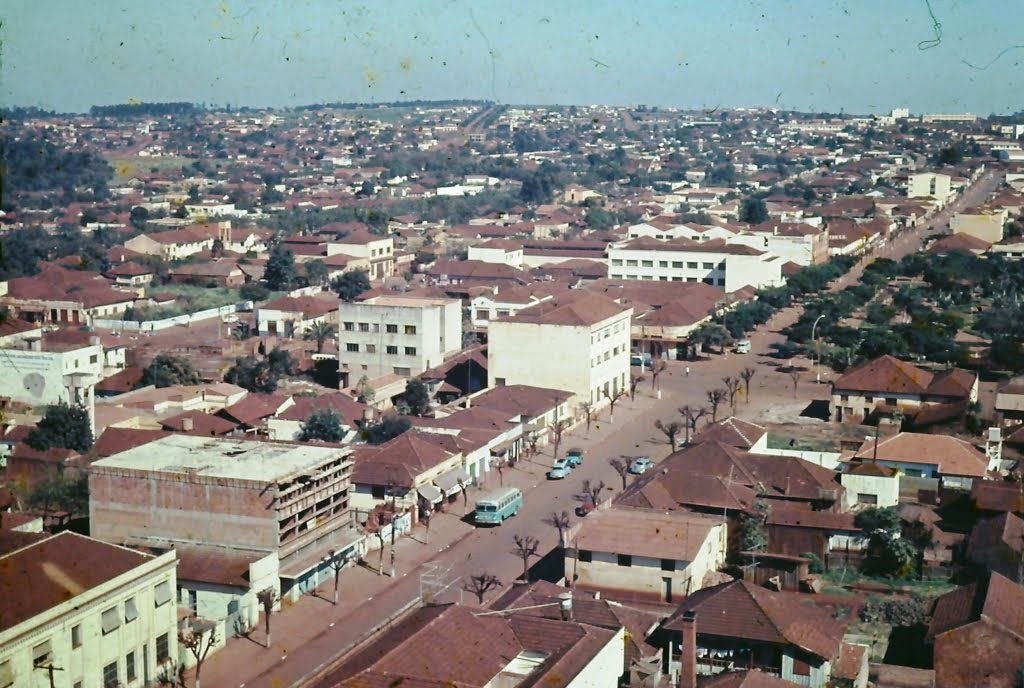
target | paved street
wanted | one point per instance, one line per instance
(308, 634)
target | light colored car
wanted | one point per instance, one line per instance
(641, 465)
(743, 346)
(559, 469)
(574, 457)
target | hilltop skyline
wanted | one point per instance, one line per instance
(868, 58)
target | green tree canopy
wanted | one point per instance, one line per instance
(280, 272)
(754, 211)
(351, 284)
(252, 374)
(417, 397)
(324, 425)
(166, 370)
(66, 426)
(319, 332)
(389, 427)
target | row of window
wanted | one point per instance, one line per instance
(608, 355)
(484, 314)
(606, 332)
(585, 555)
(375, 327)
(352, 347)
(664, 278)
(868, 399)
(692, 265)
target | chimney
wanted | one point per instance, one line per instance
(187, 425)
(565, 605)
(94, 341)
(688, 652)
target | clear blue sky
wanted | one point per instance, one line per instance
(857, 55)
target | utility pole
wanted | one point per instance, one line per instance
(817, 353)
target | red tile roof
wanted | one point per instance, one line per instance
(996, 597)
(887, 374)
(744, 611)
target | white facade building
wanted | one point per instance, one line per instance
(79, 612)
(578, 342)
(398, 334)
(728, 266)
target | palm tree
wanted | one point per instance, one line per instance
(319, 331)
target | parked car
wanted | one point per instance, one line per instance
(574, 457)
(641, 465)
(743, 346)
(559, 469)
(586, 507)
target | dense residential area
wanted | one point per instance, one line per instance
(496, 396)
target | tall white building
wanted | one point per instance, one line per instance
(577, 341)
(78, 612)
(402, 335)
(927, 185)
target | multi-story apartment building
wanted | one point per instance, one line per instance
(715, 262)
(402, 335)
(379, 250)
(238, 496)
(928, 184)
(79, 612)
(986, 224)
(794, 242)
(577, 341)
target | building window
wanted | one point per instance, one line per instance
(668, 564)
(869, 399)
(351, 347)
(162, 593)
(844, 398)
(617, 262)
(392, 350)
(94, 358)
(410, 329)
(371, 348)
(402, 371)
(865, 498)
(647, 263)
(391, 329)
(350, 326)
(662, 263)
(163, 647)
(482, 314)
(77, 684)
(890, 401)
(502, 312)
(691, 264)
(586, 555)
(131, 612)
(76, 636)
(364, 327)
(499, 382)
(625, 560)
(677, 263)
(111, 620)
(631, 263)
(709, 266)
(129, 666)
(410, 351)
(42, 654)
(110, 675)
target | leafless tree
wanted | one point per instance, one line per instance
(612, 400)
(692, 414)
(732, 387)
(587, 407)
(465, 495)
(671, 429)
(557, 429)
(747, 374)
(499, 465)
(337, 563)
(621, 467)
(794, 375)
(715, 398)
(532, 438)
(427, 513)
(526, 547)
(559, 521)
(657, 368)
(634, 382)
(593, 490)
(198, 639)
(480, 584)
(267, 599)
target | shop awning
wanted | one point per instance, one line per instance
(449, 482)
(503, 448)
(430, 493)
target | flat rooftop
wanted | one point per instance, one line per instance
(213, 457)
(405, 301)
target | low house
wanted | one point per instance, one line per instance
(495, 650)
(131, 274)
(797, 532)
(953, 461)
(83, 611)
(871, 483)
(288, 424)
(738, 625)
(292, 316)
(252, 412)
(644, 554)
(977, 632)
(889, 386)
(1010, 401)
(221, 273)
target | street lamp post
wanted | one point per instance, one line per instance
(817, 354)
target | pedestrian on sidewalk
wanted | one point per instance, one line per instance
(687, 371)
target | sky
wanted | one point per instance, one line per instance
(854, 56)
